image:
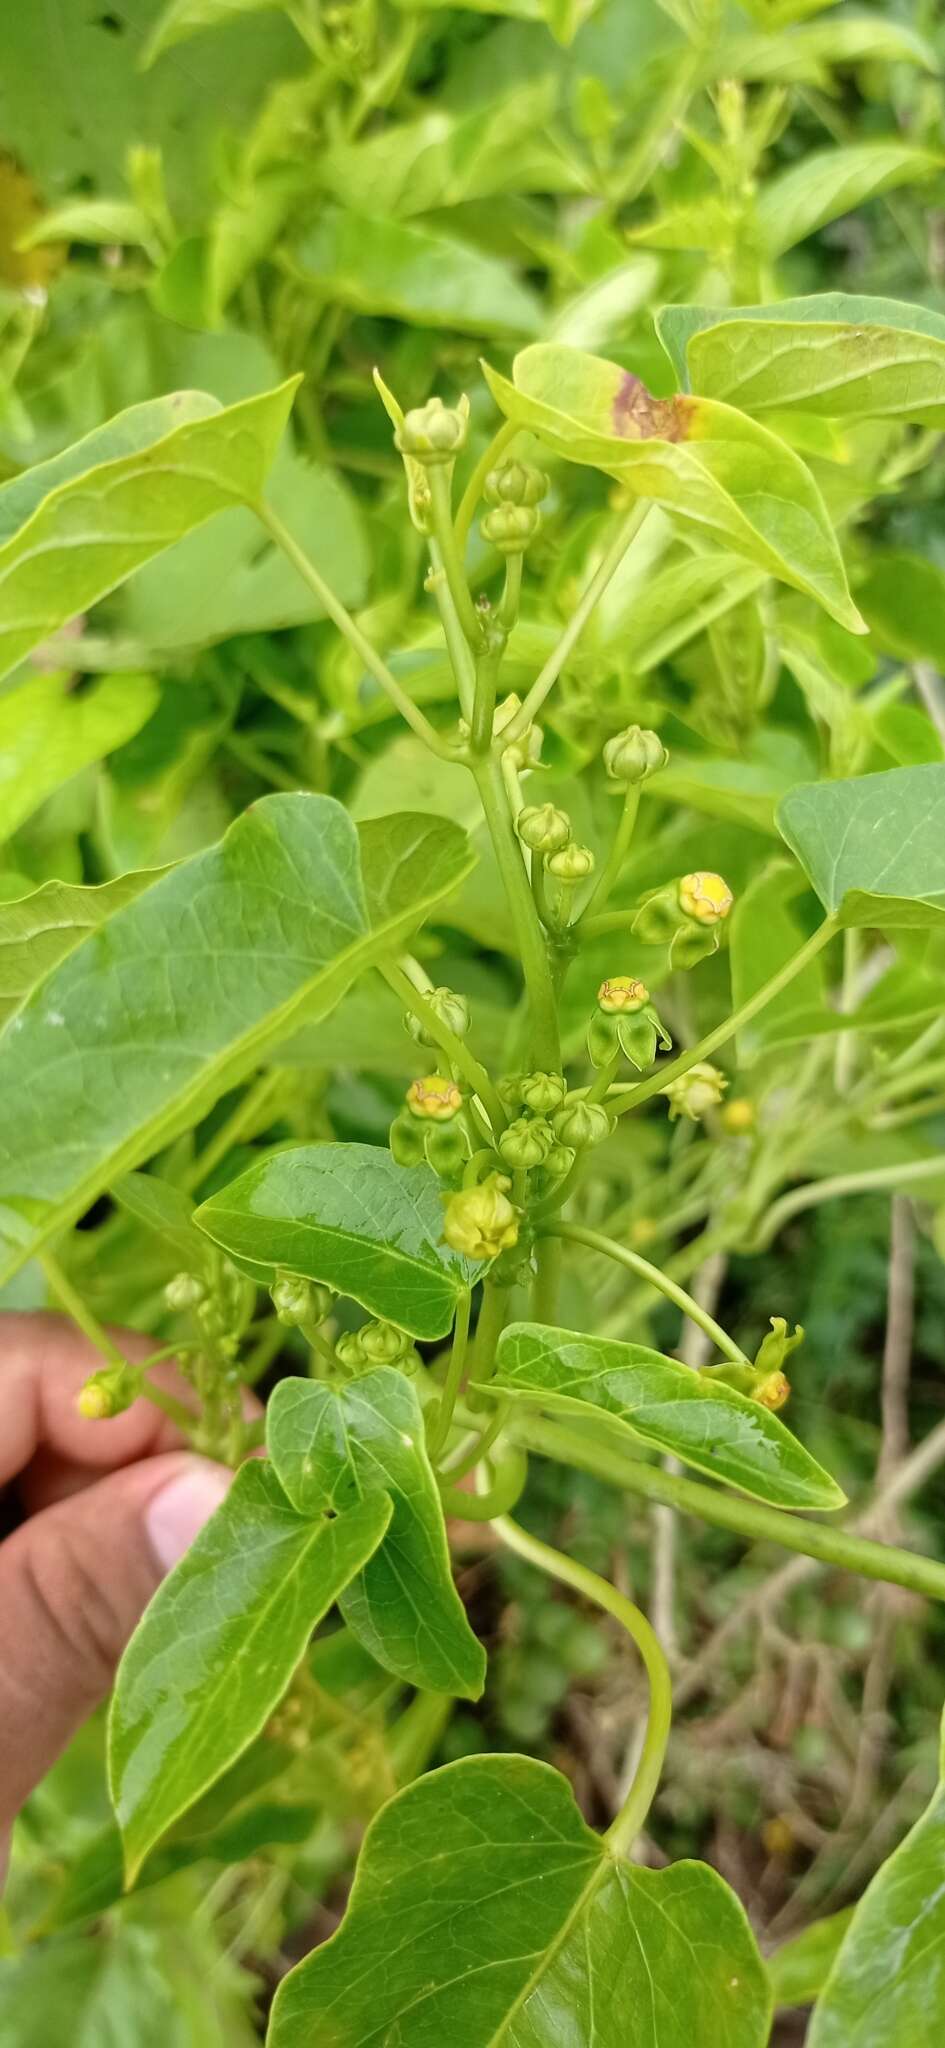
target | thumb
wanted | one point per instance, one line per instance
(73, 1582)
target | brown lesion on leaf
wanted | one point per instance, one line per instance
(638, 416)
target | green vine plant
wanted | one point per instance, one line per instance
(427, 1290)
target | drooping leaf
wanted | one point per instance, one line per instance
(347, 1215)
(829, 182)
(712, 467)
(388, 267)
(800, 1967)
(75, 527)
(334, 1445)
(216, 1648)
(177, 997)
(887, 1986)
(662, 1403)
(47, 734)
(166, 1210)
(836, 354)
(873, 847)
(487, 1914)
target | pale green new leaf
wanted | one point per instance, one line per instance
(213, 1653)
(837, 355)
(332, 1445)
(713, 468)
(829, 182)
(48, 733)
(873, 847)
(667, 1406)
(75, 527)
(179, 995)
(887, 1986)
(486, 1914)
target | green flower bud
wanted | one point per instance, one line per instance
(108, 1392)
(511, 528)
(694, 1093)
(515, 483)
(406, 1140)
(571, 864)
(541, 1092)
(433, 433)
(543, 828)
(510, 1090)
(634, 755)
(450, 1009)
(184, 1291)
(298, 1301)
(435, 1099)
(526, 1142)
(481, 1222)
(526, 750)
(350, 1354)
(557, 1164)
(446, 1147)
(580, 1124)
(383, 1343)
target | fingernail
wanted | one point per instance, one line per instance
(178, 1512)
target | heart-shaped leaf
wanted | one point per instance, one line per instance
(73, 528)
(486, 1914)
(873, 847)
(216, 1648)
(332, 1445)
(835, 354)
(660, 1402)
(179, 995)
(350, 1216)
(712, 467)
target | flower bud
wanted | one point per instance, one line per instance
(622, 995)
(634, 755)
(298, 1301)
(383, 1343)
(186, 1290)
(580, 1124)
(434, 432)
(436, 1099)
(541, 1092)
(350, 1354)
(777, 1346)
(526, 1142)
(108, 1392)
(705, 897)
(571, 864)
(515, 483)
(738, 1116)
(481, 1222)
(694, 1093)
(510, 528)
(406, 1140)
(543, 828)
(450, 1009)
(558, 1163)
(524, 752)
(510, 1089)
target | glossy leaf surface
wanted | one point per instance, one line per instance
(712, 467)
(334, 1445)
(216, 1648)
(873, 847)
(836, 354)
(700, 1420)
(75, 527)
(486, 1914)
(350, 1216)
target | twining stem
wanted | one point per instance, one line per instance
(351, 631)
(96, 1333)
(815, 1191)
(477, 1451)
(454, 1048)
(642, 1091)
(748, 1518)
(536, 966)
(451, 555)
(490, 457)
(544, 683)
(610, 872)
(576, 1233)
(624, 1830)
(507, 1484)
(454, 1376)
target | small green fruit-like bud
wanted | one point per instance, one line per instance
(515, 483)
(510, 1089)
(559, 1162)
(542, 1092)
(526, 750)
(580, 1124)
(184, 1291)
(449, 1008)
(446, 1147)
(482, 1222)
(634, 755)
(511, 528)
(526, 1142)
(298, 1301)
(436, 1099)
(705, 897)
(433, 433)
(383, 1344)
(108, 1392)
(543, 828)
(622, 996)
(406, 1140)
(349, 1352)
(694, 1093)
(572, 864)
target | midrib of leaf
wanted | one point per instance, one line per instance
(604, 1869)
(794, 346)
(351, 1237)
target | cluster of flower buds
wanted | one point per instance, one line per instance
(695, 1092)
(546, 831)
(513, 493)
(448, 1008)
(525, 751)
(627, 1022)
(634, 755)
(579, 1124)
(299, 1303)
(374, 1344)
(481, 1222)
(764, 1381)
(430, 1126)
(530, 1143)
(526, 1142)
(433, 433)
(221, 1312)
(108, 1392)
(685, 915)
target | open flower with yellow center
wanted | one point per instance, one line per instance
(621, 995)
(705, 897)
(435, 1099)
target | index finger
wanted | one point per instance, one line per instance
(44, 1361)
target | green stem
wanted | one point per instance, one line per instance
(544, 683)
(454, 1048)
(748, 1518)
(454, 1377)
(604, 1079)
(490, 457)
(507, 612)
(507, 1487)
(477, 1451)
(348, 627)
(544, 1304)
(738, 1019)
(624, 1830)
(451, 555)
(577, 1233)
(461, 657)
(487, 682)
(610, 872)
(98, 1336)
(844, 1056)
(826, 1190)
(536, 965)
(492, 1317)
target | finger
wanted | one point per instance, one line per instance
(73, 1582)
(44, 1361)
